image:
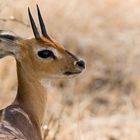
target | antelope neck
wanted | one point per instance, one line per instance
(31, 95)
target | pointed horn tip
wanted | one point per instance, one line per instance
(29, 12)
(37, 5)
(38, 10)
(28, 9)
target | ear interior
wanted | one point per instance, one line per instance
(8, 44)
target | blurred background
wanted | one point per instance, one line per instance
(104, 102)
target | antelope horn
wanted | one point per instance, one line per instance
(42, 25)
(34, 28)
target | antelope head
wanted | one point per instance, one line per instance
(41, 55)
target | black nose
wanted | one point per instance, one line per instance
(81, 64)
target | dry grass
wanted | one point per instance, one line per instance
(103, 103)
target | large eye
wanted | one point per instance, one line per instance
(46, 54)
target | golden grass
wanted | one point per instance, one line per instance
(103, 103)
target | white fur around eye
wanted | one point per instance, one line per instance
(56, 53)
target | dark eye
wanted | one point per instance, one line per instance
(46, 54)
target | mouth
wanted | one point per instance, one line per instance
(71, 73)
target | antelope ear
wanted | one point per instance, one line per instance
(8, 43)
(8, 35)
